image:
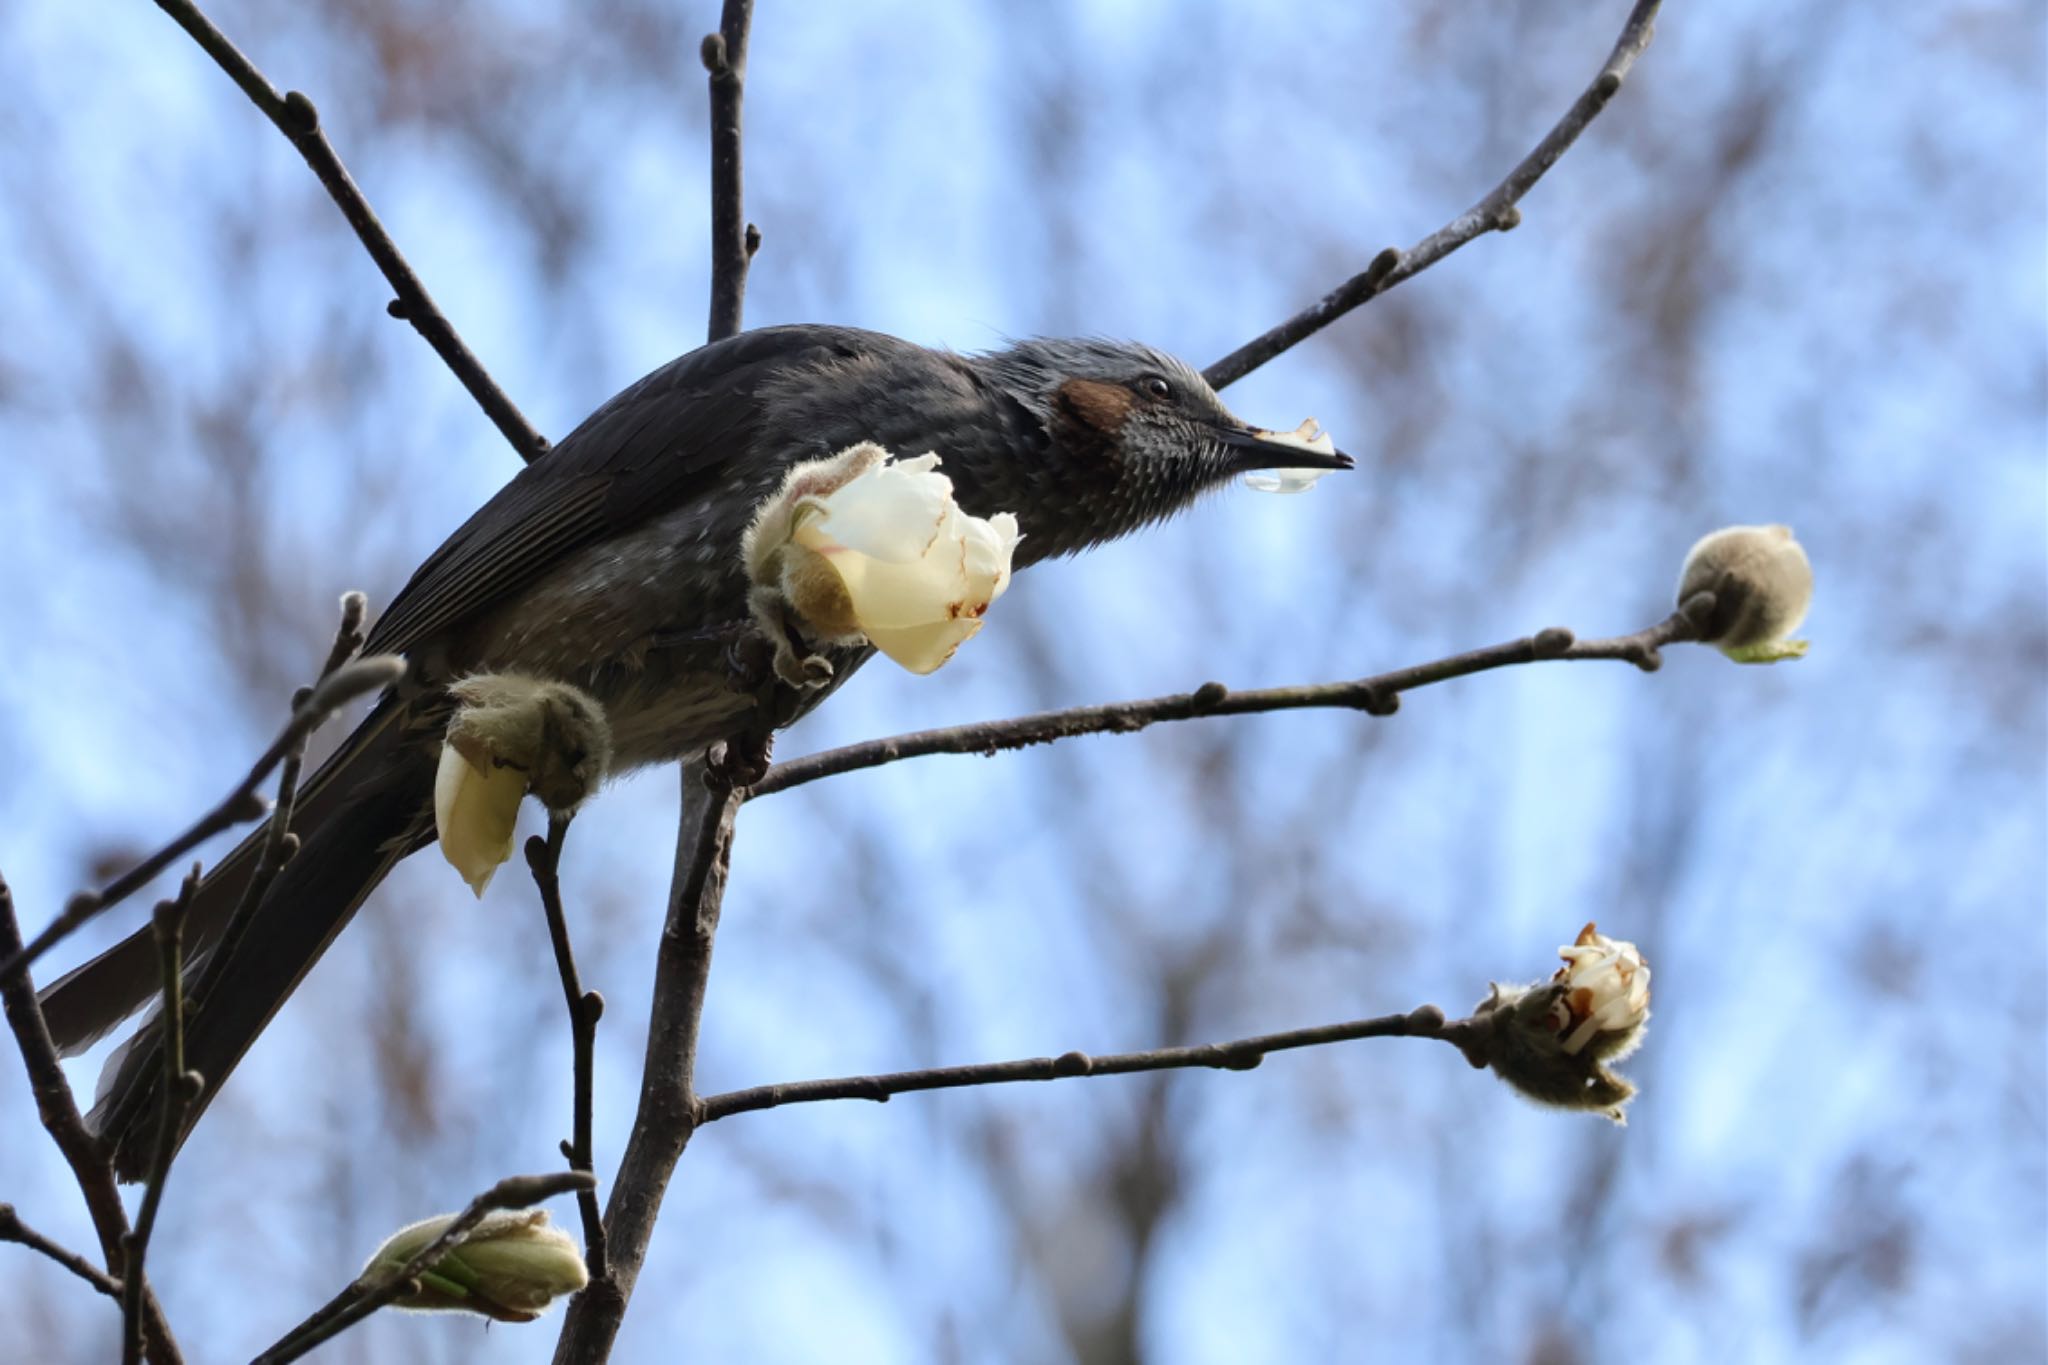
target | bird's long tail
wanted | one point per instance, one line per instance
(367, 807)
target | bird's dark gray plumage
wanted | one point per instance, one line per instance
(612, 562)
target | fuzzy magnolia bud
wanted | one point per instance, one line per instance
(1762, 586)
(510, 1267)
(1308, 436)
(1552, 1041)
(511, 735)
(862, 547)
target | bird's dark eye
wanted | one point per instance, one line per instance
(1155, 387)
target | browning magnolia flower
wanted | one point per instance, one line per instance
(865, 548)
(1553, 1041)
(510, 1267)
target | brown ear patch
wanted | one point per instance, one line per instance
(1100, 406)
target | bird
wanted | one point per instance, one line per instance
(612, 563)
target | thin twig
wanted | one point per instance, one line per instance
(733, 239)
(1378, 695)
(279, 845)
(297, 119)
(12, 1229)
(58, 1111)
(665, 1119)
(335, 691)
(1242, 1055)
(180, 1089)
(544, 858)
(372, 1290)
(1494, 213)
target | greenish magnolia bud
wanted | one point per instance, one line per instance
(864, 547)
(511, 1267)
(1553, 1041)
(1762, 586)
(511, 735)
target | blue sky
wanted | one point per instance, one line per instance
(1794, 274)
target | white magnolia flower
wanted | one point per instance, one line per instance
(1762, 585)
(510, 735)
(511, 1267)
(863, 547)
(1606, 996)
(1308, 436)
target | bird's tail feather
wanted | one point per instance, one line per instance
(365, 809)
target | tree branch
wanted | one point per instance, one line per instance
(60, 1118)
(365, 1296)
(297, 119)
(1378, 695)
(1494, 213)
(544, 859)
(12, 1229)
(1242, 1055)
(666, 1117)
(733, 239)
(180, 1089)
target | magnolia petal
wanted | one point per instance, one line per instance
(1308, 436)
(475, 810)
(924, 648)
(894, 512)
(890, 596)
(990, 545)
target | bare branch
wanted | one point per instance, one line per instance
(309, 711)
(279, 843)
(12, 1229)
(180, 1090)
(666, 1118)
(1494, 213)
(733, 239)
(299, 121)
(1378, 695)
(544, 858)
(1242, 1055)
(367, 1293)
(58, 1111)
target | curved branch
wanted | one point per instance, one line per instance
(544, 860)
(299, 121)
(1378, 695)
(1494, 213)
(58, 1111)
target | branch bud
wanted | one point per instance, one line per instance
(511, 735)
(511, 1267)
(1762, 585)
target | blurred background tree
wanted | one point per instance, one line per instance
(1795, 274)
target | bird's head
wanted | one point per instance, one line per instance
(1125, 436)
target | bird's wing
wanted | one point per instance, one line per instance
(652, 448)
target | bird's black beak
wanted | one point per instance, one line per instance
(1252, 449)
